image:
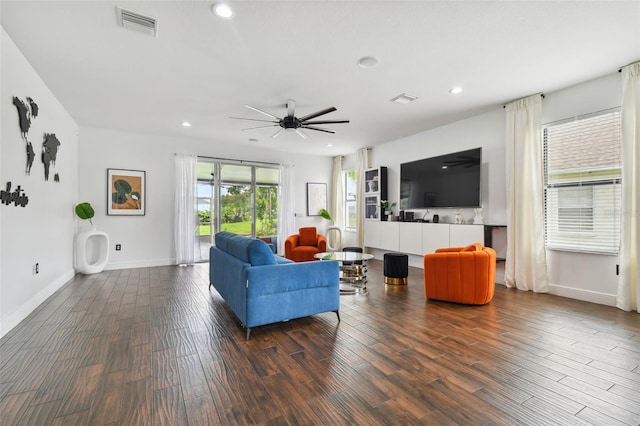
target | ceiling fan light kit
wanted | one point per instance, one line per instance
(292, 123)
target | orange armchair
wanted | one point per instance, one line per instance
(302, 246)
(461, 274)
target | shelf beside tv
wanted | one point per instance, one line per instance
(375, 190)
(498, 244)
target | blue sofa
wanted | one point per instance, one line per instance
(262, 288)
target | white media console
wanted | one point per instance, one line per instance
(419, 238)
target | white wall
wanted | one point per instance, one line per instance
(581, 276)
(485, 130)
(488, 131)
(148, 240)
(43, 231)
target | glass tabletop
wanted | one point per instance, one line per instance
(341, 256)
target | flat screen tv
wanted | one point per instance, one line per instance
(451, 180)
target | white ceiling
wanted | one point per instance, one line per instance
(203, 69)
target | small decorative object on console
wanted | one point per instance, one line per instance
(477, 219)
(458, 219)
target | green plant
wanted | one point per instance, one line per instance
(325, 214)
(85, 211)
(385, 205)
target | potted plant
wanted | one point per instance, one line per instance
(333, 244)
(387, 207)
(85, 212)
(326, 215)
(94, 259)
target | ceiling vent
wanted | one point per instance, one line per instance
(403, 98)
(135, 21)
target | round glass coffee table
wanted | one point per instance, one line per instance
(353, 269)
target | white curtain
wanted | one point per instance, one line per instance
(526, 264)
(361, 166)
(186, 223)
(286, 206)
(629, 281)
(336, 206)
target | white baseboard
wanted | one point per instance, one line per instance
(139, 264)
(584, 295)
(23, 311)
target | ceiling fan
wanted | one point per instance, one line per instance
(293, 123)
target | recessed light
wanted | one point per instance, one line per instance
(455, 90)
(223, 10)
(186, 124)
(367, 62)
(253, 140)
(329, 145)
(403, 98)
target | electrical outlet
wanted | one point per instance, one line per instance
(37, 268)
(118, 247)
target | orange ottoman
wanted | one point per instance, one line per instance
(460, 274)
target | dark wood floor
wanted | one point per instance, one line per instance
(154, 347)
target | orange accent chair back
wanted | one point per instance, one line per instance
(302, 246)
(461, 274)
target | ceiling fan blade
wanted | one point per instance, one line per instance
(275, 135)
(318, 129)
(252, 119)
(262, 112)
(327, 122)
(291, 108)
(317, 114)
(260, 127)
(302, 134)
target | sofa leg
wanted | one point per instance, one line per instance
(248, 333)
(338, 314)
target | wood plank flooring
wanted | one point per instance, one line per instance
(153, 346)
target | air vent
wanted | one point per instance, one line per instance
(135, 21)
(403, 98)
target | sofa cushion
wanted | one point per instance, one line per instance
(308, 236)
(250, 250)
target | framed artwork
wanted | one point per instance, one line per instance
(316, 198)
(126, 192)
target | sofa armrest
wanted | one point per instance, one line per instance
(289, 244)
(271, 279)
(322, 243)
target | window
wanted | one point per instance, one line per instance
(583, 188)
(350, 190)
(239, 198)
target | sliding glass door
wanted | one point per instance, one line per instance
(236, 197)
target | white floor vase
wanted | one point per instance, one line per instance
(92, 251)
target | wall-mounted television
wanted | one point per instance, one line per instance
(451, 180)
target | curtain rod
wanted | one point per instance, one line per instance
(505, 105)
(238, 161)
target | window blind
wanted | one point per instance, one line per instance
(583, 188)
